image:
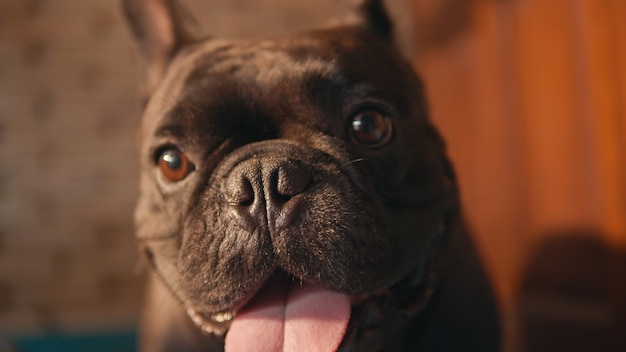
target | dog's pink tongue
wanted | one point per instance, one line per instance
(290, 317)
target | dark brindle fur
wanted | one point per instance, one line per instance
(283, 187)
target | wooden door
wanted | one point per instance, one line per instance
(531, 96)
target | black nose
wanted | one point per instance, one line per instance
(267, 189)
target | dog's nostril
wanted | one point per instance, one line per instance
(292, 179)
(241, 191)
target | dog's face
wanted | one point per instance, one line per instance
(299, 166)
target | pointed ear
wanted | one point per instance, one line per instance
(160, 28)
(370, 14)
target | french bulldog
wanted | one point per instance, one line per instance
(294, 195)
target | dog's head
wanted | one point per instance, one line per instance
(295, 169)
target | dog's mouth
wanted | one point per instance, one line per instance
(283, 312)
(286, 311)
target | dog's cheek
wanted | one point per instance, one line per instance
(342, 242)
(222, 260)
(161, 255)
(151, 217)
(417, 171)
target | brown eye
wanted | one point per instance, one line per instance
(371, 128)
(174, 165)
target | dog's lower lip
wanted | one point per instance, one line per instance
(219, 322)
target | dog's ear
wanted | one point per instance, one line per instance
(161, 28)
(370, 14)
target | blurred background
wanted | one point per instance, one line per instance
(530, 95)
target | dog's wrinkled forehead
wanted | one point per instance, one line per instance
(232, 79)
(255, 64)
(260, 63)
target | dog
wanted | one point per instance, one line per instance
(295, 196)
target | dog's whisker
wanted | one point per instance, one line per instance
(356, 161)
